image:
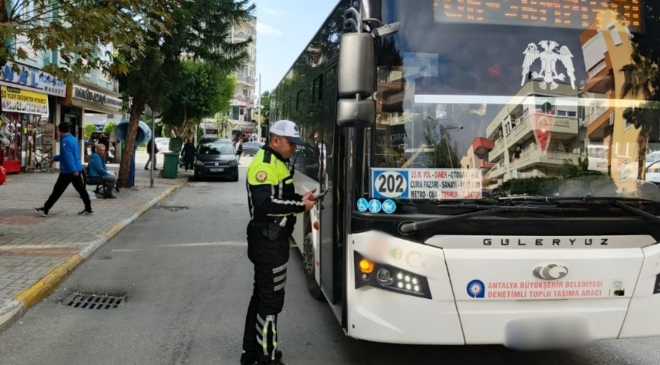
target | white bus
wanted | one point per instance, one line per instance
(411, 109)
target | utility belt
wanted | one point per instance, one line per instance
(274, 227)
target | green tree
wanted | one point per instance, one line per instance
(443, 153)
(42, 26)
(202, 94)
(201, 30)
(641, 76)
(264, 102)
(645, 117)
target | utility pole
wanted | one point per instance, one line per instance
(153, 148)
(259, 117)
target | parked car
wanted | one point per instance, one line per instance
(251, 148)
(163, 144)
(220, 140)
(216, 157)
(652, 158)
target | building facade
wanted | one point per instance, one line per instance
(534, 133)
(34, 102)
(245, 96)
(607, 46)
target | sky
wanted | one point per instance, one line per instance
(284, 28)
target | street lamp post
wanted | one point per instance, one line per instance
(259, 112)
(444, 132)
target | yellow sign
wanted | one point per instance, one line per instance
(23, 101)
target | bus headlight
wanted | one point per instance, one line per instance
(199, 163)
(389, 278)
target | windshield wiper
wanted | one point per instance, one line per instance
(617, 202)
(481, 210)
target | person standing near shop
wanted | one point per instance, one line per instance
(188, 153)
(152, 158)
(70, 172)
(273, 205)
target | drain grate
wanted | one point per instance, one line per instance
(173, 208)
(93, 301)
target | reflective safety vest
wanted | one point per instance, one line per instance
(270, 188)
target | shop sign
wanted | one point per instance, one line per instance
(32, 78)
(95, 97)
(15, 100)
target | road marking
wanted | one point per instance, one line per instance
(207, 244)
(184, 245)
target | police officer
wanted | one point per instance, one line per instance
(273, 205)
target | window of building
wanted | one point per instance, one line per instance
(616, 37)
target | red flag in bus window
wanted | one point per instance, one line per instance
(542, 128)
(495, 72)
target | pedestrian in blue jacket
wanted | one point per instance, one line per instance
(70, 172)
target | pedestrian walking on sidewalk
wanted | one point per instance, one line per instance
(70, 172)
(273, 205)
(152, 157)
(98, 172)
(188, 153)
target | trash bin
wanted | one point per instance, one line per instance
(171, 165)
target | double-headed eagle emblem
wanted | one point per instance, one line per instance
(549, 59)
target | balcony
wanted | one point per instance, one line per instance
(600, 115)
(498, 150)
(597, 69)
(599, 76)
(496, 172)
(599, 110)
(563, 125)
(245, 79)
(537, 157)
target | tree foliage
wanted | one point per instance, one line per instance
(264, 102)
(75, 29)
(201, 30)
(203, 92)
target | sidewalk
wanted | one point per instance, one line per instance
(37, 252)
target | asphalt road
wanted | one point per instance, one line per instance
(187, 282)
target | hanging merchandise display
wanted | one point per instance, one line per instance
(24, 113)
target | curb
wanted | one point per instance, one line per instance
(14, 309)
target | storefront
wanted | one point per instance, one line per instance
(27, 132)
(84, 98)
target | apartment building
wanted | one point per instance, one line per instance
(607, 47)
(245, 96)
(534, 133)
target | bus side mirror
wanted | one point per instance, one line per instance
(356, 113)
(356, 79)
(356, 67)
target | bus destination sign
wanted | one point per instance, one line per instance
(551, 13)
(426, 183)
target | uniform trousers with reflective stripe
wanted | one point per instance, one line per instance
(270, 259)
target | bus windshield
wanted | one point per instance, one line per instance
(516, 98)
